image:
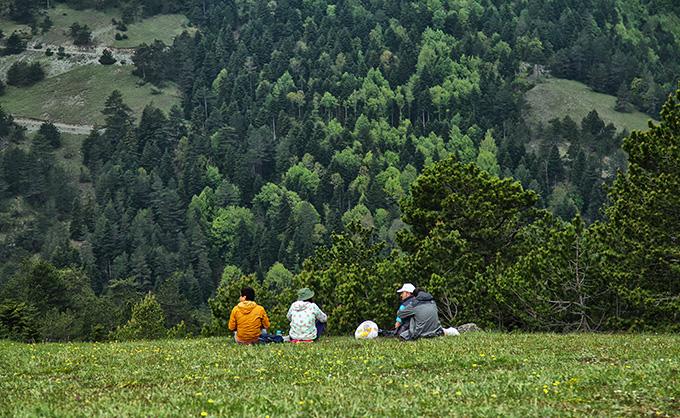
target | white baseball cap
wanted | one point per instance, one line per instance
(407, 287)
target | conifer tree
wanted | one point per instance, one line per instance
(487, 158)
(464, 225)
(644, 226)
(147, 321)
(51, 134)
(117, 116)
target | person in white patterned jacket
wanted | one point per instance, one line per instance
(307, 321)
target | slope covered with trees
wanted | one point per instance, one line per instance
(304, 119)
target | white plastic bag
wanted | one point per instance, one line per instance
(367, 330)
(451, 332)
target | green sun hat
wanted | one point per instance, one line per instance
(305, 293)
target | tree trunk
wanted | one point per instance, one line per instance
(274, 127)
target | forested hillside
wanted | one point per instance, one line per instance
(300, 119)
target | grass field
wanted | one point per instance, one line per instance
(63, 17)
(484, 374)
(70, 154)
(8, 26)
(78, 96)
(162, 27)
(557, 98)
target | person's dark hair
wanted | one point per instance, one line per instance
(416, 291)
(248, 292)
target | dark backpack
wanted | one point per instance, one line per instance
(270, 338)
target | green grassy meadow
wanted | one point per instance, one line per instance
(557, 98)
(78, 96)
(71, 156)
(28, 56)
(162, 27)
(483, 374)
(8, 26)
(63, 17)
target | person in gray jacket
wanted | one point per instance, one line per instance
(422, 317)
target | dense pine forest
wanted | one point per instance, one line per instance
(350, 146)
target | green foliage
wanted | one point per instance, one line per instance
(464, 226)
(302, 180)
(151, 62)
(54, 304)
(18, 321)
(462, 146)
(556, 283)
(175, 304)
(107, 58)
(233, 229)
(81, 34)
(278, 279)
(178, 331)
(146, 323)
(15, 44)
(299, 120)
(486, 159)
(51, 134)
(25, 74)
(350, 280)
(643, 227)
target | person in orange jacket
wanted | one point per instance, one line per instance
(248, 318)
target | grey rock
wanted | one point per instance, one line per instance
(469, 327)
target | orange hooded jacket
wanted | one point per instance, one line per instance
(247, 319)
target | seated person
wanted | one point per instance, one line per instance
(248, 318)
(422, 317)
(307, 321)
(407, 299)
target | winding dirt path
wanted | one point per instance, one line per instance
(91, 53)
(33, 125)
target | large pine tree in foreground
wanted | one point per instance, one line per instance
(643, 234)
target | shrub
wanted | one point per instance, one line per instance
(15, 44)
(46, 24)
(61, 326)
(81, 35)
(146, 322)
(178, 331)
(24, 74)
(51, 134)
(107, 58)
(84, 176)
(17, 321)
